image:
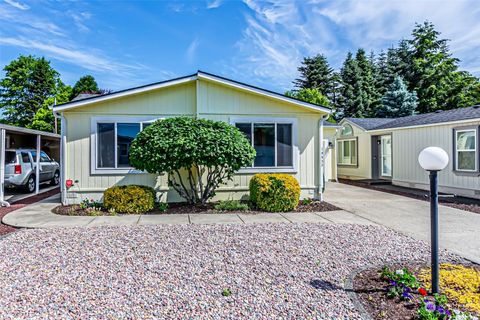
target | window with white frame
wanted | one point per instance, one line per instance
(466, 154)
(273, 141)
(112, 140)
(347, 151)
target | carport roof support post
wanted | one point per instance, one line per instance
(37, 166)
(2, 168)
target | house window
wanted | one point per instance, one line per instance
(347, 130)
(466, 154)
(112, 142)
(273, 141)
(347, 152)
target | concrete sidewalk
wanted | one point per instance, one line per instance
(459, 230)
(39, 215)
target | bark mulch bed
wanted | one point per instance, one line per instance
(184, 208)
(4, 229)
(371, 291)
(449, 202)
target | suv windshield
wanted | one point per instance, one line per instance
(10, 157)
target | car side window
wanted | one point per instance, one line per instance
(25, 157)
(44, 157)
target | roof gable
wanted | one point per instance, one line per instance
(194, 77)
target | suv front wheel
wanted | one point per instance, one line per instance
(56, 179)
(30, 185)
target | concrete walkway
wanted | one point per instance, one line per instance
(39, 215)
(459, 230)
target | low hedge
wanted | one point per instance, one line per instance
(274, 192)
(129, 199)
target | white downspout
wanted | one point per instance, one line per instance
(63, 146)
(321, 157)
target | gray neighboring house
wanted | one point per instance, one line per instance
(387, 149)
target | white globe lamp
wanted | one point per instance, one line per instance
(434, 159)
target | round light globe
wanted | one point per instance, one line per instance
(433, 159)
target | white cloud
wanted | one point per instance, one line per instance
(278, 34)
(192, 50)
(29, 21)
(85, 59)
(214, 4)
(17, 5)
(79, 19)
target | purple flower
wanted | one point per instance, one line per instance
(393, 283)
(440, 310)
(406, 295)
(430, 307)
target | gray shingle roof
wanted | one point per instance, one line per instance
(82, 96)
(369, 123)
(418, 119)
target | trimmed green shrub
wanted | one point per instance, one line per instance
(197, 154)
(129, 199)
(274, 192)
(231, 205)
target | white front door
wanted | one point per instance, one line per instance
(386, 156)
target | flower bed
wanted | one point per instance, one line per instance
(94, 208)
(403, 293)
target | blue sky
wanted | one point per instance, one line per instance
(129, 43)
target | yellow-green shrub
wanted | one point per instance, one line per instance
(274, 192)
(129, 199)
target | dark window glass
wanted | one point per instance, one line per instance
(284, 145)
(25, 157)
(44, 157)
(264, 144)
(126, 132)
(106, 145)
(246, 129)
(10, 157)
(146, 124)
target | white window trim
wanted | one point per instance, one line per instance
(94, 137)
(340, 151)
(295, 156)
(475, 151)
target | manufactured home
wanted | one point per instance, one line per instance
(388, 149)
(290, 136)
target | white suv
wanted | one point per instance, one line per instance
(20, 169)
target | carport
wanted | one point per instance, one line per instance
(12, 137)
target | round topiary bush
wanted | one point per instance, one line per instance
(197, 154)
(274, 192)
(129, 199)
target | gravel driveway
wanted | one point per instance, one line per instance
(287, 271)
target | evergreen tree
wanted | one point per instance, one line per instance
(28, 82)
(351, 101)
(370, 97)
(397, 101)
(85, 84)
(316, 73)
(432, 68)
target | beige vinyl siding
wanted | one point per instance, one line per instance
(363, 170)
(407, 144)
(221, 103)
(198, 98)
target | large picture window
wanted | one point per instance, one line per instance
(112, 140)
(272, 139)
(347, 152)
(466, 153)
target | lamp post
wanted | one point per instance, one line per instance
(433, 159)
